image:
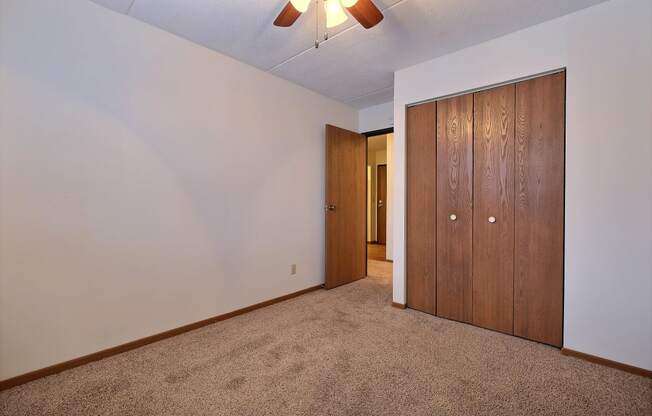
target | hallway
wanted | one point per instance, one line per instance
(381, 270)
(376, 252)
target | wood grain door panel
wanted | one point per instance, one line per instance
(346, 159)
(493, 195)
(455, 198)
(495, 159)
(539, 216)
(421, 207)
(381, 213)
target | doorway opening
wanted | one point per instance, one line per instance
(379, 159)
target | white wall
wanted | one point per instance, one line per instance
(608, 245)
(145, 182)
(377, 117)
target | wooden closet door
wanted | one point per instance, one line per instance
(455, 207)
(539, 217)
(420, 209)
(493, 209)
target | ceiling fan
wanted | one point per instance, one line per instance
(364, 11)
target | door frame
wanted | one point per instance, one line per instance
(367, 135)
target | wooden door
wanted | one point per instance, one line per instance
(455, 207)
(420, 207)
(381, 212)
(493, 209)
(346, 247)
(539, 216)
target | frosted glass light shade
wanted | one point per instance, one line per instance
(348, 3)
(334, 13)
(300, 5)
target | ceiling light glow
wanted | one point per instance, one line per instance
(300, 5)
(334, 13)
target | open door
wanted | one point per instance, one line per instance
(381, 211)
(346, 249)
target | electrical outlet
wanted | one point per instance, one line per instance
(293, 269)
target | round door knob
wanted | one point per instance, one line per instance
(453, 217)
(492, 219)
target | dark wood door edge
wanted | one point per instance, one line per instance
(398, 305)
(96, 356)
(608, 363)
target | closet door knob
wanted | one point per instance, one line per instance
(492, 219)
(453, 217)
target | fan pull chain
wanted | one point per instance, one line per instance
(316, 24)
(325, 27)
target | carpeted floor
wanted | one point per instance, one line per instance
(340, 352)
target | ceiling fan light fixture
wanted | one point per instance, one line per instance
(300, 5)
(364, 11)
(334, 13)
(348, 3)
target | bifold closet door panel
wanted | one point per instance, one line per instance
(493, 209)
(420, 209)
(455, 207)
(539, 217)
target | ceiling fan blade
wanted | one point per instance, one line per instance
(366, 13)
(287, 16)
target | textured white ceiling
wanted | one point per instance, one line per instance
(355, 65)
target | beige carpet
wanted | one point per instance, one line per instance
(339, 352)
